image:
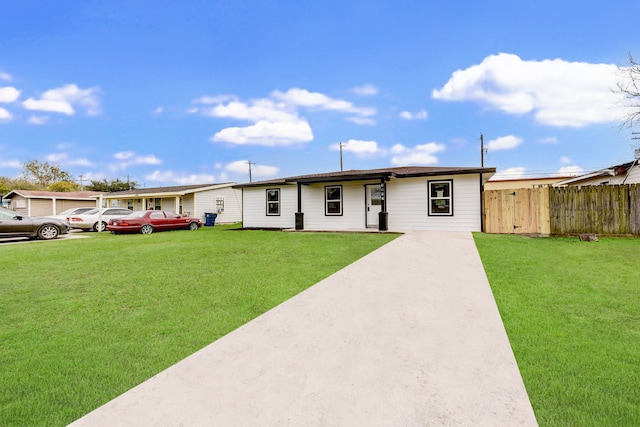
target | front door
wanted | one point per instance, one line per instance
(374, 204)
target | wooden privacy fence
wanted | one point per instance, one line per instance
(601, 209)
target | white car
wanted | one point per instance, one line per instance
(69, 212)
(95, 219)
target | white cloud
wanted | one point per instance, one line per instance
(419, 115)
(565, 160)
(65, 160)
(266, 133)
(157, 110)
(241, 167)
(358, 147)
(509, 173)
(423, 154)
(366, 90)
(549, 140)
(261, 109)
(5, 115)
(13, 164)
(63, 99)
(275, 120)
(5, 76)
(570, 171)
(180, 178)
(504, 143)
(304, 98)
(128, 158)
(361, 120)
(558, 92)
(38, 120)
(9, 94)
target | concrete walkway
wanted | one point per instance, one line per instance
(409, 335)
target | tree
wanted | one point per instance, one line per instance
(44, 174)
(111, 186)
(8, 184)
(64, 186)
(629, 87)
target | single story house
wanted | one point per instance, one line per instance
(625, 173)
(192, 200)
(44, 203)
(395, 199)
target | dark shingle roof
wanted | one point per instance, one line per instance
(352, 175)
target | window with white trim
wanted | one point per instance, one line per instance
(219, 204)
(333, 200)
(441, 198)
(273, 201)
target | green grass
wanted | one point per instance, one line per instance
(572, 313)
(84, 320)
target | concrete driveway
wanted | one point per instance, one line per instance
(409, 335)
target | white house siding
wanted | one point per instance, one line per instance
(255, 207)
(634, 175)
(407, 200)
(353, 206)
(188, 206)
(206, 202)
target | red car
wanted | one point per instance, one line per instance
(146, 222)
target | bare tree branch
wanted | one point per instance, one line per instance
(629, 87)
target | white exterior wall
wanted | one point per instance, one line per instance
(254, 202)
(407, 204)
(353, 207)
(205, 201)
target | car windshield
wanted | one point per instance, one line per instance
(91, 212)
(8, 213)
(75, 211)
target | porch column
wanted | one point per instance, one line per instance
(299, 214)
(383, 215)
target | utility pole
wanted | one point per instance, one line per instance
(249, 162)
(81, 183)
(341, 145)
(482, 150)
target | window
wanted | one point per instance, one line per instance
(441, 198)
(158, 204)
(130, 204)
(273, 201)
(333, 200)
(219, 204)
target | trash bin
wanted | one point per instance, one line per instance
(210, 219)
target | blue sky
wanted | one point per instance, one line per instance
(189, 92)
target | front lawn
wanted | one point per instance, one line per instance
(84, 320)
(572, 313)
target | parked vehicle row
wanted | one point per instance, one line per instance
(14, 224)
(116, 220)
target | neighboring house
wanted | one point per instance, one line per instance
(510, 184)
(192, 200)
(625, 173)
(396, 199)
(44, 203)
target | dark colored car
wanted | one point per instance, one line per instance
(14, 224)
(146, 222)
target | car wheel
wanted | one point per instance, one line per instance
(48, 231)
(146, 229)
(99, 226)
(193, 226)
